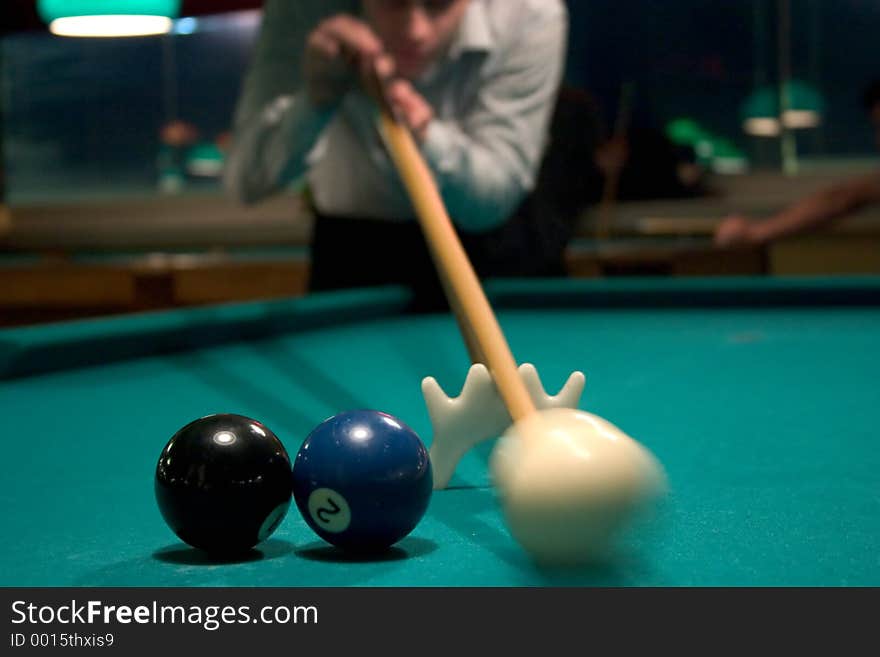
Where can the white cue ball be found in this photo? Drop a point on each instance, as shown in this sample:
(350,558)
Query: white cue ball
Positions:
(568,490)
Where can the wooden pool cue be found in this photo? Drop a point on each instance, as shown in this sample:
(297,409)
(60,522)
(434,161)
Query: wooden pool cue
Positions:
(471,343)
(460,280)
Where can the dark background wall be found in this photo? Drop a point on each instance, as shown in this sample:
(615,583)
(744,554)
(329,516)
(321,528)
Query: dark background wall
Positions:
(702,57)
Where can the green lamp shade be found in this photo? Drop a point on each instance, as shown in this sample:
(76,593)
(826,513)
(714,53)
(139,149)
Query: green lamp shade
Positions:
(761,104)
(805,106)
(718,153)
(205,159)
(761,111)
(51,10)
(685,131)
(109,18)
(804,97)
(725,151)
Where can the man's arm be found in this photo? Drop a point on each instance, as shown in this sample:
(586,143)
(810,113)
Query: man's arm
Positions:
(808,214)
(276,124)
(487,161)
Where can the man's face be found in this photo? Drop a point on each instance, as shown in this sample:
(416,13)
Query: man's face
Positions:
(415,33)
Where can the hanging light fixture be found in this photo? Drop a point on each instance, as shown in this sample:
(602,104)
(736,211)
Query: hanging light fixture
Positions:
(761,115)
(109,18)
(686,131)
(727,158)
(805,106)
(718,153)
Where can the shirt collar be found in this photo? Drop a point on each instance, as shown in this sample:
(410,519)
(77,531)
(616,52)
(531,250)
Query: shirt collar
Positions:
(474,33)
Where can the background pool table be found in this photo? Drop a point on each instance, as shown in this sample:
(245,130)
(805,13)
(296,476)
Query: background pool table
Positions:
(759,396)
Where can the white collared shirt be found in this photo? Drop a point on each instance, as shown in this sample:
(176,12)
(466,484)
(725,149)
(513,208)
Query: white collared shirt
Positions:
(492,95)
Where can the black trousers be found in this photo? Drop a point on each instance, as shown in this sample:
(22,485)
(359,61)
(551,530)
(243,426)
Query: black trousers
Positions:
(357,252)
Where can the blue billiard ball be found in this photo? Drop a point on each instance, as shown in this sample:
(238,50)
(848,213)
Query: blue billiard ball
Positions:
(362,480)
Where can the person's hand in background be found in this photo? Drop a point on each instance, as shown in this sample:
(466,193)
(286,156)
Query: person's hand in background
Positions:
(737,230)
(611,156)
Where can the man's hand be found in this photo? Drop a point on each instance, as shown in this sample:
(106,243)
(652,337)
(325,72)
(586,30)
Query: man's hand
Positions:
(340,50)
(736,230)
(411,108)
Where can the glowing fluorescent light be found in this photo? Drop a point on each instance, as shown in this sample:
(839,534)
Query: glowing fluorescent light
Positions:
(762,126)
(800,119)
(119,25)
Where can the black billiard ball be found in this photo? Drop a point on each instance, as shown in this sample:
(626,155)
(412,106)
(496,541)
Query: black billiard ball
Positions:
(223,483)
(362,480)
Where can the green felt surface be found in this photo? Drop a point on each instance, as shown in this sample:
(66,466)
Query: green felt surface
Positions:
(763,413)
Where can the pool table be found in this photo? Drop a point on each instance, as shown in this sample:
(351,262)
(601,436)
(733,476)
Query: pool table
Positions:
(760,396)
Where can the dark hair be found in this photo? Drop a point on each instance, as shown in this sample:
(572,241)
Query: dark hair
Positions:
(871,95)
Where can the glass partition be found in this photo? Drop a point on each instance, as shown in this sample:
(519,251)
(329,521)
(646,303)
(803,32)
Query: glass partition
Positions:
(89,118)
